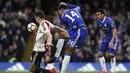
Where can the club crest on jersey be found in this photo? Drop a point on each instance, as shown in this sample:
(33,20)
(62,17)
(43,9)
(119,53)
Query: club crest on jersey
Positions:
(74,27)
(105,25)
(100,25)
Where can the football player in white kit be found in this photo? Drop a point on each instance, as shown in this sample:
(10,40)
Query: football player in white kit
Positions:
(43,41)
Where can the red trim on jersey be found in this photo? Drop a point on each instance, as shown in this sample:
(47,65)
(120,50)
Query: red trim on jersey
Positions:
(48,25)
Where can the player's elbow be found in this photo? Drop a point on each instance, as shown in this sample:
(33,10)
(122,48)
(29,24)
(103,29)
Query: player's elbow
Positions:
(67,35)
(49,35)
(115,31)
(64,35)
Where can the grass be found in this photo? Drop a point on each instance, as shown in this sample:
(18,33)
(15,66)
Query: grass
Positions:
(66,72)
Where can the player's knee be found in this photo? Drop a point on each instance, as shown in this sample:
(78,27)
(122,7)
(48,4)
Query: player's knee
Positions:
(111,55)
(100,54)
(32,68)
(69,51)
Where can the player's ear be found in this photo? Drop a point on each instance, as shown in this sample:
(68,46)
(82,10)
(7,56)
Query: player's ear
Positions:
(62,10)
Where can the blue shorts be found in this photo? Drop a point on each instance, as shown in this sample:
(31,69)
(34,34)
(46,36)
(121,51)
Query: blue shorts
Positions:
(104,47)
(77,37)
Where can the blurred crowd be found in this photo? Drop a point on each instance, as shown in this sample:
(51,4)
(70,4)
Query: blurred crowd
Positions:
(16,14)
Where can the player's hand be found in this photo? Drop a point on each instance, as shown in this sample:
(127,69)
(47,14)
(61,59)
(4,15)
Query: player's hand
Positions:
(48,45)
(100,41)
(62,3)
(110,44)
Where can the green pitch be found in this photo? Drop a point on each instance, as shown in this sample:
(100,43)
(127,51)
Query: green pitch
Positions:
(66,72)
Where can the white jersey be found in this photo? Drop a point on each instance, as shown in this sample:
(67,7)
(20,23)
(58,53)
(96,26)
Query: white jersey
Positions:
(40,37)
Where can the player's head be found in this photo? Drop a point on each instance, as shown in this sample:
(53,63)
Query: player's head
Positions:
(39,16)
(100,13)
(61,9)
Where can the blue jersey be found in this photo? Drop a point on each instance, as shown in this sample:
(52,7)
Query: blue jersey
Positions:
(106,26)
(77,32)
(73,18)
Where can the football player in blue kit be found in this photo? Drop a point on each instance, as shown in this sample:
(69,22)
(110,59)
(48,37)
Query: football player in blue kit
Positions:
(108,40)
(70,15)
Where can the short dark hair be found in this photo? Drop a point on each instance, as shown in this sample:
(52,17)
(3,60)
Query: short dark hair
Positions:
(62,7)
(40,14)
(101,11)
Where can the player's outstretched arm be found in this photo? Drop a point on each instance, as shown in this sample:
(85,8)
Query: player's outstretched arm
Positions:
(62,32)
(71,6)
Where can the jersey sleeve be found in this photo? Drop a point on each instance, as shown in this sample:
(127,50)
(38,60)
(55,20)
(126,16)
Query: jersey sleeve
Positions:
(111,24)
(75,7)
(45,28)
(63,20)
(50,24)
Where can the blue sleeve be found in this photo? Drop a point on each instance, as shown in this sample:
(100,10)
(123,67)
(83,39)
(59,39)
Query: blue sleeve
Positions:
(111,24)
(75,7)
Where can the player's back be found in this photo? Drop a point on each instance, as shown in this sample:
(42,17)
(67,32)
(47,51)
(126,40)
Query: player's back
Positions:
(73,18)
(40,37)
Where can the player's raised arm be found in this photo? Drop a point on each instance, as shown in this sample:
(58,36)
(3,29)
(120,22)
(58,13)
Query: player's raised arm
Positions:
(71,6)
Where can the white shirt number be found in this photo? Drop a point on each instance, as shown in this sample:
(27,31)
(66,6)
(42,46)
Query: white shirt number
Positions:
(73,14)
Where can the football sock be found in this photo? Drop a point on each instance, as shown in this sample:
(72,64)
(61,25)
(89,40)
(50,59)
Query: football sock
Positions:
(65,63)
(59,47)
(113,64)
(103,63)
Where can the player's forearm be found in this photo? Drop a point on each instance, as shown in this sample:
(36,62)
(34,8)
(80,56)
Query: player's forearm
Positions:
(101,35)
(49,37)
(114,33)
(62,32)
(64,35)
(59,29)
(72,6)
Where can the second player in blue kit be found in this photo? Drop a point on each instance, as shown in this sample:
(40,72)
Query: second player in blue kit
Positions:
(108,39)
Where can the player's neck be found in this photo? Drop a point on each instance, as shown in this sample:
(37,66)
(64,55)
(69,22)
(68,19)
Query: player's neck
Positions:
(40,21)
(64,12)
(103,18)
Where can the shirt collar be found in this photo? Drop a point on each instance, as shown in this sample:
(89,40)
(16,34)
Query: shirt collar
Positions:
(41,22)
(104,19)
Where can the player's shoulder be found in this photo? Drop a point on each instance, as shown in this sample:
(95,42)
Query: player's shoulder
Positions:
(47,22)
(99,22)
(109,20)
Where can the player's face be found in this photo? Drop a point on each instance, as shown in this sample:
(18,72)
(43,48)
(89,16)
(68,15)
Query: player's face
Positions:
(37,19)
(99,15)
(60,12)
